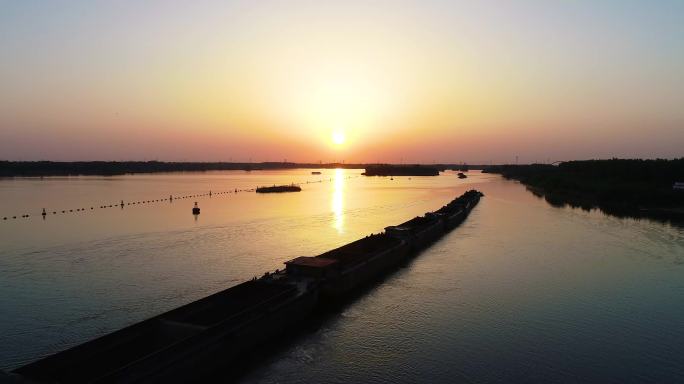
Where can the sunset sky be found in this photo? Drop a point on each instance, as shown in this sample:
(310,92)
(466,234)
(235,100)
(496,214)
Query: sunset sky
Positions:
(360,81)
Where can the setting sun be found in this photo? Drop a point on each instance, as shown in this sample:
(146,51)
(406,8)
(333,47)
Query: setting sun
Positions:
(338,138)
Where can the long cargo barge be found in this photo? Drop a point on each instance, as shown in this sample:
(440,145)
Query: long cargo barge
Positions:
(210,334)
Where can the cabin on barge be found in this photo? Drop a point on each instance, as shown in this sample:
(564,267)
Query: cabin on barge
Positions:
(343,269)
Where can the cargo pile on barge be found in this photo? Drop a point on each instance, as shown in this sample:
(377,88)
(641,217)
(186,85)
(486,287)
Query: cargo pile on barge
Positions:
(210,335)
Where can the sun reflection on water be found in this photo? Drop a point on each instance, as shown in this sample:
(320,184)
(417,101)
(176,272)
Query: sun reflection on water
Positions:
(338,200)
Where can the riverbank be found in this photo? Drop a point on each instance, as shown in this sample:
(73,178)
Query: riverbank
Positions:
(623,188)
(402,170)
(113,168)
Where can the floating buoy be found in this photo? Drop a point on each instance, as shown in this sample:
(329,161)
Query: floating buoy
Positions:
(195,209)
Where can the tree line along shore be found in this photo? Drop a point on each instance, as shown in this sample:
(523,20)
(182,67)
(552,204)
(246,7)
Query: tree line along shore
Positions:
(113,168)
(622,187)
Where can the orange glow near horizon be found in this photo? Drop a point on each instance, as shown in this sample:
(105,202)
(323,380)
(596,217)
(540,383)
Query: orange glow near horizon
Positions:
(329,81)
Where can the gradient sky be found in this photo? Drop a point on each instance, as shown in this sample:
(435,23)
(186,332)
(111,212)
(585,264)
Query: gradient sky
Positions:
(412,81)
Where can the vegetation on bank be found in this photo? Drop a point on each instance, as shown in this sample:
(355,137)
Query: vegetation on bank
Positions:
(618,186)
(401,170)
(112,168)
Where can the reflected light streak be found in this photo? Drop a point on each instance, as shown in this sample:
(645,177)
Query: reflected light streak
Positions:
(338,200)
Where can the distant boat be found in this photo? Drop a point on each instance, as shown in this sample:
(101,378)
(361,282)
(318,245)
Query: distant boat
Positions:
(279,188)
(315,173)
(461,175)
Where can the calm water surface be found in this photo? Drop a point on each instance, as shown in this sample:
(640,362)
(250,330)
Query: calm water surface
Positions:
(521,292)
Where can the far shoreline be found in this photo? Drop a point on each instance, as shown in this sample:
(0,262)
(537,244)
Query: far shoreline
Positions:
(621,188)
(10,169)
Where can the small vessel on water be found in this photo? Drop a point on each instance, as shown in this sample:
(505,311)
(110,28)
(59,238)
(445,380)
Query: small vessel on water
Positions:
(279,188)
(315,173)
(195,209)
(461,175)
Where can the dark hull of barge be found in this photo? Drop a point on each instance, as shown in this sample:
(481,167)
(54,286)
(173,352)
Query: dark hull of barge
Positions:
(187,344)
(208,337)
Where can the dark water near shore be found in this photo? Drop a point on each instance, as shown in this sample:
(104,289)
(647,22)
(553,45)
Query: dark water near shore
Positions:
(521,292)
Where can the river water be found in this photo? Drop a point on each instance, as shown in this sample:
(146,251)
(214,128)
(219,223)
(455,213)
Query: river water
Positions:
(520,292)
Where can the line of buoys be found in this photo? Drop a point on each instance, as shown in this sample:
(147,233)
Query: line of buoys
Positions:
(171,198)
(122,204)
